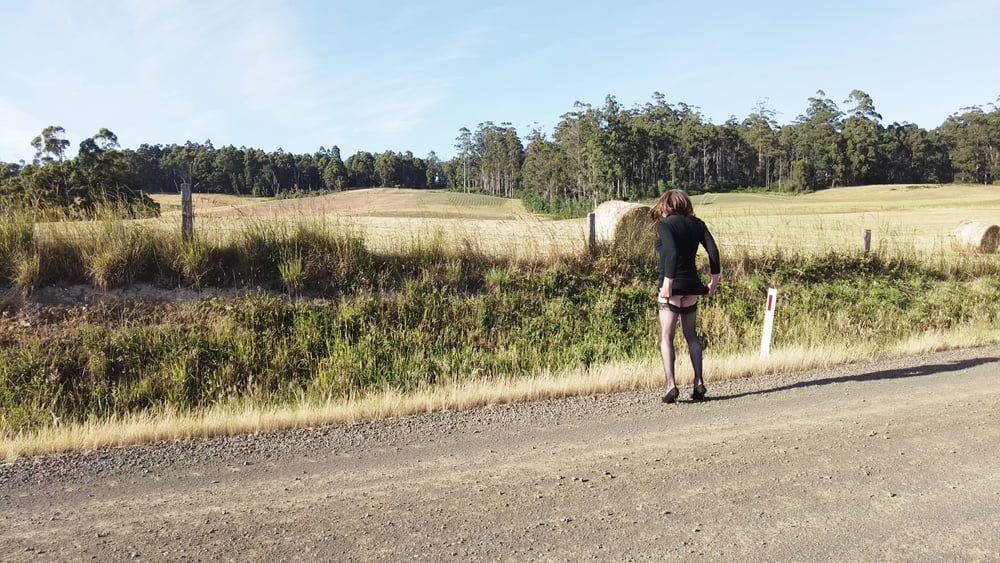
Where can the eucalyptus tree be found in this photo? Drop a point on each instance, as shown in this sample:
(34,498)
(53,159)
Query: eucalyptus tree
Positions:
(335,175)
(102,167)
(816,151)
(545,173)
(435,175)
(862,132)
(761,132)
(464,147)
(361,169)
(389,169)
(577,133)
(654,131)
(50,145)
(592,153)
(498,154)
(227,171)
(973,139)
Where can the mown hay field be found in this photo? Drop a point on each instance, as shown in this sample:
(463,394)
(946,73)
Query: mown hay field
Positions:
(902,218)
(390,219)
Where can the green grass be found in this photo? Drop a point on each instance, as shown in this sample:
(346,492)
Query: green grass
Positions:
(429,316)
(329,317)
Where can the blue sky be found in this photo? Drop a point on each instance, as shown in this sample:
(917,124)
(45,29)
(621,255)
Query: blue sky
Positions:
(407,75)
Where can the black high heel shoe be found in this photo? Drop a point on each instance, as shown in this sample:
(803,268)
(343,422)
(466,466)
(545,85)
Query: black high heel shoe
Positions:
(699,393)
(671,396)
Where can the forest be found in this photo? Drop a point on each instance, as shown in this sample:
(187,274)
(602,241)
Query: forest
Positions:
(593,153)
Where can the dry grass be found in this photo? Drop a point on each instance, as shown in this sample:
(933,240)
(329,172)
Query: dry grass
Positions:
(151,428)
(901,218)
(170,204)
(389,219)
(910,221)
(372,202)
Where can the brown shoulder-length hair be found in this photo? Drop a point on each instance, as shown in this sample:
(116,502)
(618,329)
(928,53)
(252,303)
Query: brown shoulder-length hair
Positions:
(672,202)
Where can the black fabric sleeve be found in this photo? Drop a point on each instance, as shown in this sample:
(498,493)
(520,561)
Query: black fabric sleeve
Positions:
(668,251)
(713,252)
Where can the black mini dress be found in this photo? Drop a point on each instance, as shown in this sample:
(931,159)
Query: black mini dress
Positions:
(678,238)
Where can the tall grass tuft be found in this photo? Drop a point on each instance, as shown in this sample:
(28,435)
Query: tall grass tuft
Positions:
(193,262)
(499,278)
(632,253)
(17,233)
(61,257)
(27,272)
(292,269)
(119,254)
(333,257)
(257,251)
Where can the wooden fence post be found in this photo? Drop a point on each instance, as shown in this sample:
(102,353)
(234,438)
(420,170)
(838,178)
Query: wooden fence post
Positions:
(592,233)
(866,241)
(187,212)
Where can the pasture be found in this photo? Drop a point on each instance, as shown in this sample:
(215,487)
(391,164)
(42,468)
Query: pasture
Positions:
(390,218)
(902,218)
(908,219)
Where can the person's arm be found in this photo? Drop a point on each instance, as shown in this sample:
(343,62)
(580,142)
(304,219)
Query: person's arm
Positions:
(714,261)
(668,258)
(667,288)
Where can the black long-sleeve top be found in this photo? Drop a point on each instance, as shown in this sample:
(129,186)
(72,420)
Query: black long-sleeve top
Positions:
(678,238)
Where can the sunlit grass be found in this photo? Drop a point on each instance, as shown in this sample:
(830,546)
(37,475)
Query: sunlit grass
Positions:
(901,218)
(453,313)
(238,418)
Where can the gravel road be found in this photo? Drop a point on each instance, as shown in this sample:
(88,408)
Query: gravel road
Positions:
(890,460)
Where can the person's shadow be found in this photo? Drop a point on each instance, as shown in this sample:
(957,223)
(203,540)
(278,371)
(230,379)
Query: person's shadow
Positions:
(915,371)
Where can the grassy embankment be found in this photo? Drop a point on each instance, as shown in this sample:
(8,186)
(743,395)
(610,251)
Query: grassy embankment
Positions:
(340,332)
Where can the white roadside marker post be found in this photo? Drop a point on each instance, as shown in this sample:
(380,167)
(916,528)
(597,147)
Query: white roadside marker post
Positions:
(765,341)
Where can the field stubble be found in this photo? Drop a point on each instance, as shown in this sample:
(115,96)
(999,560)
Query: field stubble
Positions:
(903,219)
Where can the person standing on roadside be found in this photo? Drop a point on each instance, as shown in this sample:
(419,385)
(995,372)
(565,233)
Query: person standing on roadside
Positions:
(679,234)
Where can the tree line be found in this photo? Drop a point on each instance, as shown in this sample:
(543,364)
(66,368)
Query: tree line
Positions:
(624,153)
(102,171)
(592,154)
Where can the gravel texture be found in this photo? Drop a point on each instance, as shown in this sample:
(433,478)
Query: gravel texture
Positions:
(894,459)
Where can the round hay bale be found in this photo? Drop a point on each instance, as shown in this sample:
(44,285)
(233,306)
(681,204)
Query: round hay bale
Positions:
(976,236)
(614,218)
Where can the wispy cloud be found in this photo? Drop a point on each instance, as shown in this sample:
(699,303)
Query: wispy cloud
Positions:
(254,56)
(225,56)
(233,71)
(17,128)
